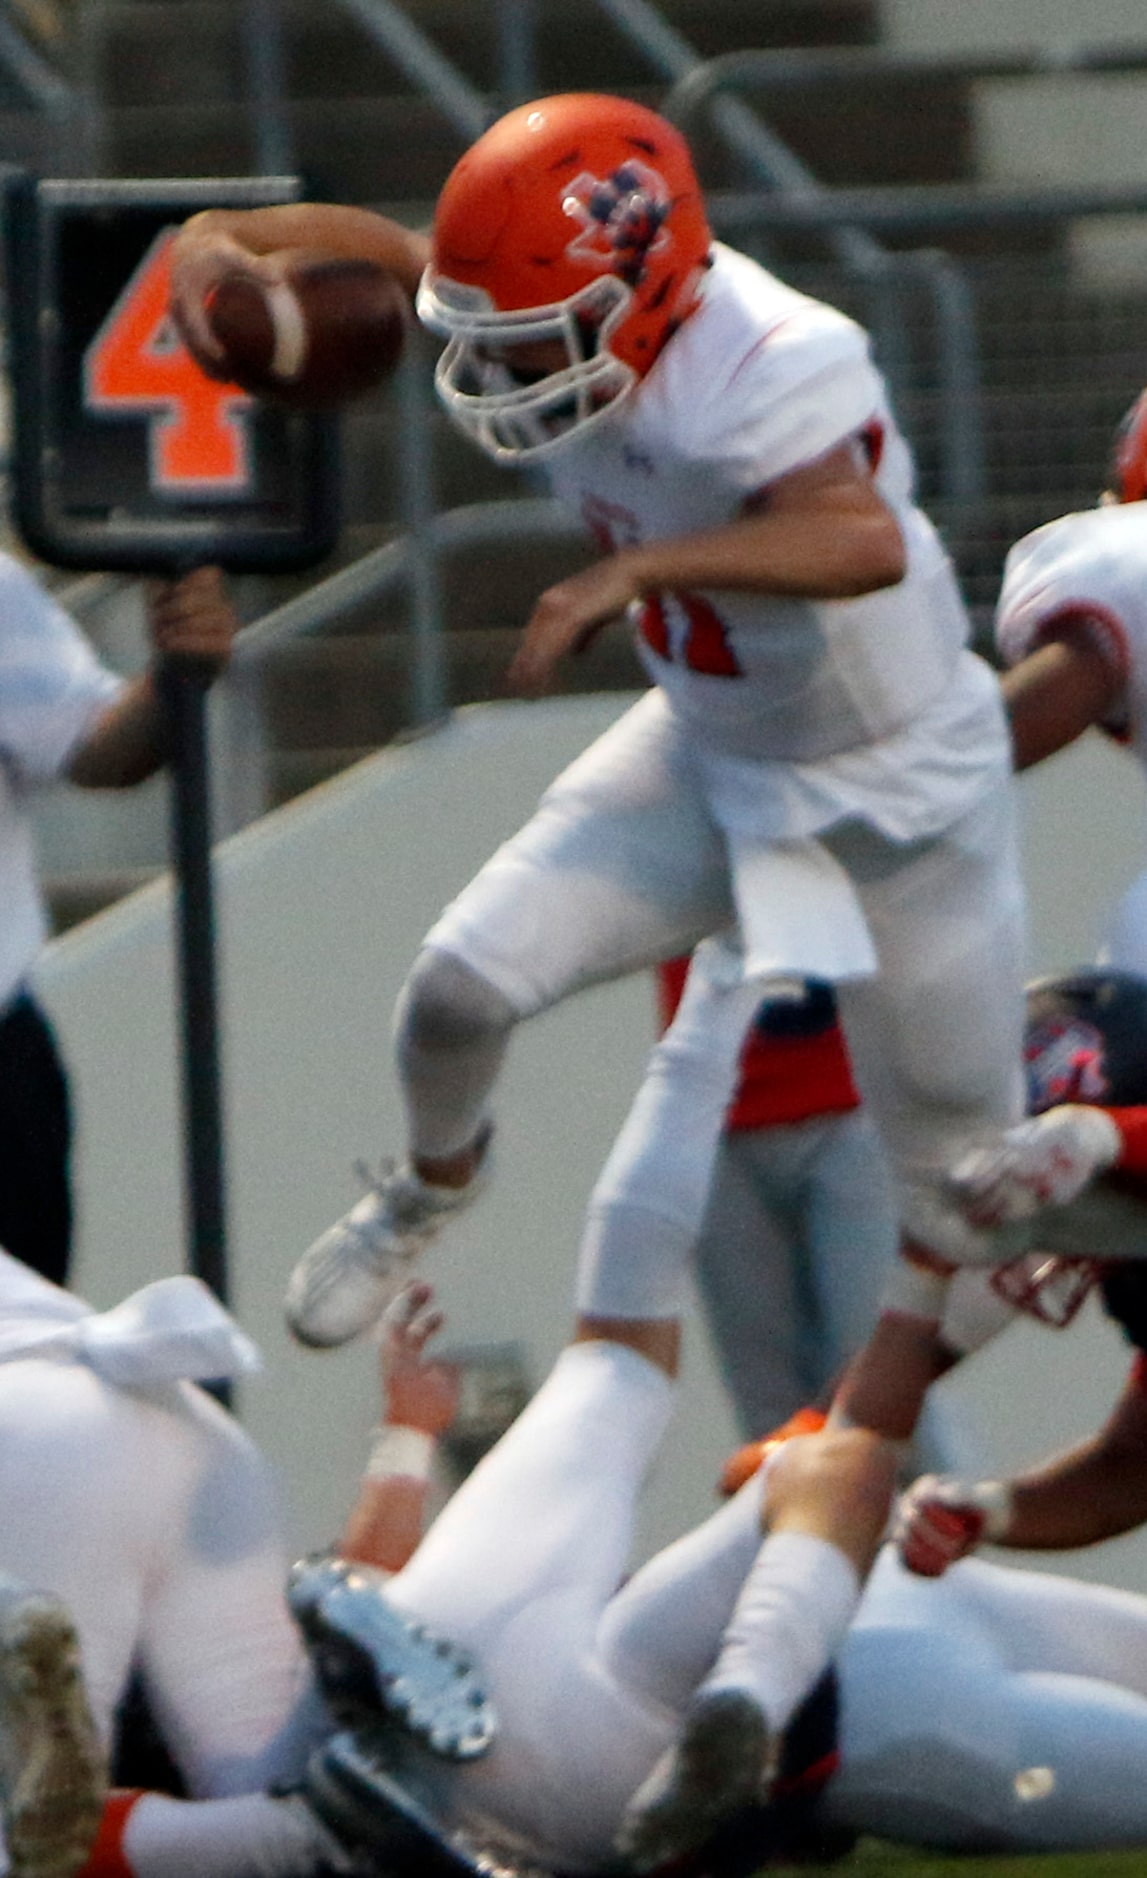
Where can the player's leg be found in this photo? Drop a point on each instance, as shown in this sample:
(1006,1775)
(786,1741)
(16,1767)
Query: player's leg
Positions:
(564,1482)
(946,1742)
(1061,1626)
(619,867)
(797,912)
(849,1238)
(249,1835)
(748,1274)
(648,1204)
(223,1664)
(937,1044)
(827,1504)
(75,1520)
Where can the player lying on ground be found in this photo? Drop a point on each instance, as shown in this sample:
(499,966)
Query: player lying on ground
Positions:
(819,779)
(524,1562)
(132,1496)
(1010,1712)
(948,1728)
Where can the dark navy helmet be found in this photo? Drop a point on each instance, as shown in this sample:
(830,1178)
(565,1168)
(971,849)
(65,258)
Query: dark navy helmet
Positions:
(1086,1039)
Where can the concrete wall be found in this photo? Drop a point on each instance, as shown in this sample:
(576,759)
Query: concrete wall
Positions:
(1049,131)
(992,25)
(322,906)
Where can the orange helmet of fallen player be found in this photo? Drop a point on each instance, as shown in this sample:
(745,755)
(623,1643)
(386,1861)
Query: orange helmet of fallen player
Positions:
(577,219)
(1128,474)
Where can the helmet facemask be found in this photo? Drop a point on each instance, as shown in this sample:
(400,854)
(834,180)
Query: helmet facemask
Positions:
(513,415)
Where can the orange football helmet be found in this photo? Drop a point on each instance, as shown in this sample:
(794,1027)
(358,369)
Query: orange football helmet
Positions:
(576,219)
(1128,475)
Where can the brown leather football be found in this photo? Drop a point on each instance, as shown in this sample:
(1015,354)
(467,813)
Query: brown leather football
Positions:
(329,332)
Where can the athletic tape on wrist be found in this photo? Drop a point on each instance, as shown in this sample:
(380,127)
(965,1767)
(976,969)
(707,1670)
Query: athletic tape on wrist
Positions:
(408,1452)
(993,1498)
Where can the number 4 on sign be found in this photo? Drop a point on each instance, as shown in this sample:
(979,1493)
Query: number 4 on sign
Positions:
(197,433)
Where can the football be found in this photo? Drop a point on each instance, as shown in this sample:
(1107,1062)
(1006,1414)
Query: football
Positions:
(330,331)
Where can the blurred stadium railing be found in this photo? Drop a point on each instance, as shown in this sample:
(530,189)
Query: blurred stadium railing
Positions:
(1012,323)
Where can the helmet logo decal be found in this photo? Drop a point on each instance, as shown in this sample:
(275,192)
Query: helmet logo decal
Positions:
(622,219)
(1064,1059)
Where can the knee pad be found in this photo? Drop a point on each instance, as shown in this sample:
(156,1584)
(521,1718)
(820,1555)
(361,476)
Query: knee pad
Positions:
(445,1006)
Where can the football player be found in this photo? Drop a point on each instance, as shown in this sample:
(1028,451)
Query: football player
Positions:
(684,1683)
(998,1710)
(1078,1172)
(819,778)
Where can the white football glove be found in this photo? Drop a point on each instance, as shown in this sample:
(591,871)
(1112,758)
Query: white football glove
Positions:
(940,1520)
(1045,1161)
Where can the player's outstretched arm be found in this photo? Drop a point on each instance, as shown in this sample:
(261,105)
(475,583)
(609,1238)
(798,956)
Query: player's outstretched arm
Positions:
(1093,1491)
(419,1399)
(191,618)
(823,532)
(258,243)
(940,1520)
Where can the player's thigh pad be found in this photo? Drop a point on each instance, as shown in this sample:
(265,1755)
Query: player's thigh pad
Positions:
(937,1036)
(620,866)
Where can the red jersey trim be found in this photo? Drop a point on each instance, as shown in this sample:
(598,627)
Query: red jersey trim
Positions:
(1105,628)
(1132,1126)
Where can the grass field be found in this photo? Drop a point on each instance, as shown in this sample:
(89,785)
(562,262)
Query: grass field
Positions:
(873,1859)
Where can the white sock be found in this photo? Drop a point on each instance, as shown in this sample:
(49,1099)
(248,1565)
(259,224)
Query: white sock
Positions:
(253,1835)
(791,1617)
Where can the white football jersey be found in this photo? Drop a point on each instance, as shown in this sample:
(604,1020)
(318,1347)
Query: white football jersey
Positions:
(1091,565)
(759,380)
(52,690)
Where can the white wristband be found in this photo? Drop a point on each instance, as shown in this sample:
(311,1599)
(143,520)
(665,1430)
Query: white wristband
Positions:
(993,1498)
(407,1452)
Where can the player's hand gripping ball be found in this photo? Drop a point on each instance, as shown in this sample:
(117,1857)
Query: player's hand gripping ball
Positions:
(328,332)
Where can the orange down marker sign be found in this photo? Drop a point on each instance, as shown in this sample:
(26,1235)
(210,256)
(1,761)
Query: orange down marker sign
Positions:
(198,442)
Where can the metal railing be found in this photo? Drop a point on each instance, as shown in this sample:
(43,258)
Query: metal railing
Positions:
(852,224)
(855,225)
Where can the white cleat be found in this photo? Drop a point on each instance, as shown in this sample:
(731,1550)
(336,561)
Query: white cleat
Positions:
(370,1660)
(346,1280)
(715,1770)
(53,1771)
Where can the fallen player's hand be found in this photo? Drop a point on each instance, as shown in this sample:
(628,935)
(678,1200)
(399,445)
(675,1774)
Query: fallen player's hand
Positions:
(1045,1161)
(416,1393)
(941,1520)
